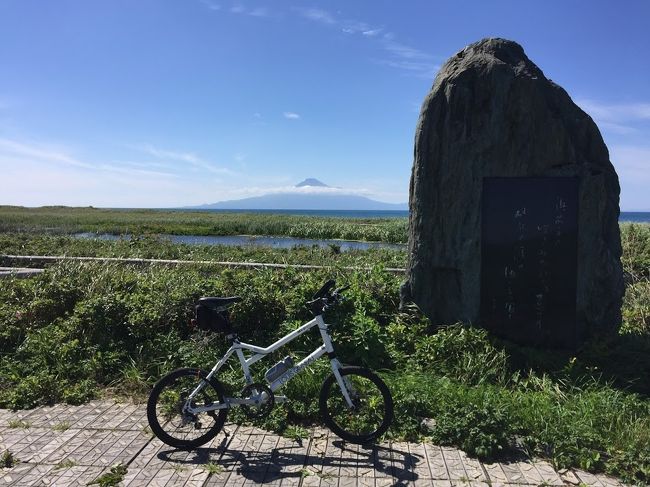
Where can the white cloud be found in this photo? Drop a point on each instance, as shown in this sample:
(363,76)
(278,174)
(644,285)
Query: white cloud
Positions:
(403,51)
(261,190)
(405,58)
(371,32)
(420,69)
(184,157)
(318,15)
(36,174)
(11,148)
(618,118)
(259,12)
(211,5)
(632,163)
(14,153)
(408,59)
(31,183)
(356,27)
(619,112)
(291,115)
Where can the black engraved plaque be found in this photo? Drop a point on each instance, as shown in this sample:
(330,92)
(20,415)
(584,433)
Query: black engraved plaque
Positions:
(529,259)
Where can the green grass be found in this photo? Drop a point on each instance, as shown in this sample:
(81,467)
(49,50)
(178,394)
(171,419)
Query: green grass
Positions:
(139,222)
(8,459)
(212,468)
(65,464)
(80,328)
(296,433)
(62,426)
(112,478)
(18,423)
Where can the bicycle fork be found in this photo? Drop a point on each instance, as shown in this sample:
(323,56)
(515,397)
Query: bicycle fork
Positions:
(346,387)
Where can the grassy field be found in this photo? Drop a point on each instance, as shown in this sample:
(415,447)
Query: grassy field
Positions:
(86,329)
(142,222)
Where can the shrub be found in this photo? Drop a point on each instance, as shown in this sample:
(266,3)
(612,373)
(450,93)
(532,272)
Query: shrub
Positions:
(462,353)
(479,429)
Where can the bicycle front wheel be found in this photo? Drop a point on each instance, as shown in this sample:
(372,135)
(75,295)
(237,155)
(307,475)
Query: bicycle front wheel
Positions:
(167,408)
(372,405)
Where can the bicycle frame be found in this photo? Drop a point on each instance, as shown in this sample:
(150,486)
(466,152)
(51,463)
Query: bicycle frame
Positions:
(259,353)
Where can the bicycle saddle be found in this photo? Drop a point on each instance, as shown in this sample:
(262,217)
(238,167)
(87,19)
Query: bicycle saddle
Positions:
(219,302)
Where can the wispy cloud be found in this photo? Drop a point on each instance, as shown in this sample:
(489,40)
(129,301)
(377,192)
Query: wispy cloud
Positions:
(399,56)
(14,152)
(407,58)
(259,12)
(403,51)
(184,157)
(13,149)
(417,68)
(617,117)
(356,27)
(239,9)
(39,174)
(211,5)
(317,15)
(632,163)
(371,32)
(261,190)
(291,115)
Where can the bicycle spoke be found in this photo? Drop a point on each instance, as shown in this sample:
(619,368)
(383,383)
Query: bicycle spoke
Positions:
(170,417)
(371,412)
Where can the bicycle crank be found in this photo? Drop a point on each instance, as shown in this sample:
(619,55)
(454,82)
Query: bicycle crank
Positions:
(262,397)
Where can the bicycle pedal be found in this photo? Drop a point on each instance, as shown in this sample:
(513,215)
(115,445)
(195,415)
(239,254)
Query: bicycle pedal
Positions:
(279,399)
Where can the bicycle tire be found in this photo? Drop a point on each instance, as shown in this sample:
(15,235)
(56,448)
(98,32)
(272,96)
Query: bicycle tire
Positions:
(375,418)
(164,408)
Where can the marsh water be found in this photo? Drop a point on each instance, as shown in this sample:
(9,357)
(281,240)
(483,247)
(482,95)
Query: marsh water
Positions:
(256,241)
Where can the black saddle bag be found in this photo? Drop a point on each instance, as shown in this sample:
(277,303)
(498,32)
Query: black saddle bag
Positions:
(209,319)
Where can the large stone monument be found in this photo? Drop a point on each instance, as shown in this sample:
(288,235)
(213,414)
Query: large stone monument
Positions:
(513,204)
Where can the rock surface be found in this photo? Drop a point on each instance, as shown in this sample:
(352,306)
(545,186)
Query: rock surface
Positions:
(492,113)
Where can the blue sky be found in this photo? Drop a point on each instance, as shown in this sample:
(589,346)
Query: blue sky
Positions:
(168,103)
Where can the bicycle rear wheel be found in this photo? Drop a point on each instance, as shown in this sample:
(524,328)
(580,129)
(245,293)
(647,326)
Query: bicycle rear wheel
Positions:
(167,414)
(372,410)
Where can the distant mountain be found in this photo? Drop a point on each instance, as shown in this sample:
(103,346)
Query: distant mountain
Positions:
(312,182)
(321,198)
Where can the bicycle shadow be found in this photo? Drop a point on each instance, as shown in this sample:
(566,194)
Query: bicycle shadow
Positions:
(338,459)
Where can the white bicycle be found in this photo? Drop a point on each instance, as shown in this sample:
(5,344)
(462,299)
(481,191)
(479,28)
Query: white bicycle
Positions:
(188,407)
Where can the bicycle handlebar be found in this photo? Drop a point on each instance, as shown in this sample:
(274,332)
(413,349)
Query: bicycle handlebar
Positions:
(324,289)
(324,298)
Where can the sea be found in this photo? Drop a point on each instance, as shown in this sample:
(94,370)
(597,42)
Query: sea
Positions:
(625,216)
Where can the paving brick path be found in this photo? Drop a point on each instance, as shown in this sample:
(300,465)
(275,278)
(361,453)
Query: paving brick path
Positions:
(73,445)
